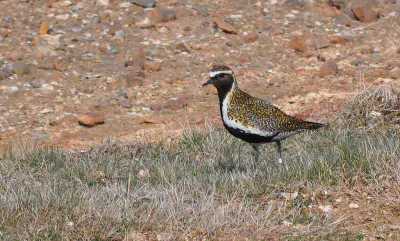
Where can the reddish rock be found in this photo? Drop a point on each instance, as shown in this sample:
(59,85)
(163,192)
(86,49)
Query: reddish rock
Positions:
(91,119)
(177,103)
(152,66)
(298,45)
(328,68)
(363,10)
(31,122)
(226,27)
(114,29)
(251,37)
(158,15)
(337,40)
(60,65)
(44,28)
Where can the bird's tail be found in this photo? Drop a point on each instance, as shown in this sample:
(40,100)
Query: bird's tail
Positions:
(308,125)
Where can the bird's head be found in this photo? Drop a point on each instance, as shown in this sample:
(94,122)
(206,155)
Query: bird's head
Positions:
(221,77)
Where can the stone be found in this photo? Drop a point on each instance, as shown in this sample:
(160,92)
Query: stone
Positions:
(298,45)
(275,81)
(157,106)
(20,68)
(395,73)
(183,48)
(176,103)
(321,42)
(144,3)
(236,41)
(152,66)
(103,2)
(114,29)
(226,27)
(251,37)
(336,39)
(44,28)
(129,20)
(124,102)
(343,19)
(363,10)
(162,15)
(16,56)
(3,75)
(91,119)
(67,119)
(328,67)
(60,65)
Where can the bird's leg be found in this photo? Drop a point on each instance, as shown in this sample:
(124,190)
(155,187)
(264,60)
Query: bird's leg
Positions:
(255,147)
(279,151)
(280,154)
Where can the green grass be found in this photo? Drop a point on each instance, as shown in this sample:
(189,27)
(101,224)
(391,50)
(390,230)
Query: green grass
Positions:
(201,186)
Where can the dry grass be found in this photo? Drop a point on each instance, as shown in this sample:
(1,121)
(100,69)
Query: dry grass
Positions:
(204,186)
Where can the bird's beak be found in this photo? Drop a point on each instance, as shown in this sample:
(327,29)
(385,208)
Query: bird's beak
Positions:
(207,82)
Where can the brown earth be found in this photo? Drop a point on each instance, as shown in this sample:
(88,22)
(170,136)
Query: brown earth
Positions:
(142,68)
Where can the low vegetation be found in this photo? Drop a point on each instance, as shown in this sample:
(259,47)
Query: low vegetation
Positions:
(341,183)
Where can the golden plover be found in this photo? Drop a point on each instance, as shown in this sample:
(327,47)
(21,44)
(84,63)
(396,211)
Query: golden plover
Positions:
(252,119)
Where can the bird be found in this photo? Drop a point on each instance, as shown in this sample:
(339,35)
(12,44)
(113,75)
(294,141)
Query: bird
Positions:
(252,119)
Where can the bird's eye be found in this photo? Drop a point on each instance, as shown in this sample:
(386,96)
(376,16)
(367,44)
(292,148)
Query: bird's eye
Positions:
(220,76)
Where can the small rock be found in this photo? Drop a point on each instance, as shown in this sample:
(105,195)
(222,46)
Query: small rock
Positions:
(152,66)
(103,2)
(91,119)
(114,29)
(67,119)
(144,3)
(183,48)
(363,11)
(124,102)
(20,68)
(176,103)
(251,37)
(395,73)
(324,56)
(336,39)
(298,45)
(46,111)
(321,42)
(31,122)
(161,15)
(3,75)
(237,41)
(343,19)
(329,67)
(120,94)
(354,205)
(60,65)
(129,20)
(226,27)
(157,106)
(275,81)
(16,56)
(44,28)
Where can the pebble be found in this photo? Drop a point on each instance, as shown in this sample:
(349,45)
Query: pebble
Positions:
(395,73)
(226,27)
(44,28)
(321,42)
(16,56)
(157,106)
(328,67)
(103,2)
(144,3)
(152,66)
(3,75)
(91,119)
(114,29)
(182,48)
(275,81)
(162,15)
(176,103)
(124,102)
(236,41)
(298,45)
(251,37)
(363,11)
(343,19)
(47,111)
(20,68)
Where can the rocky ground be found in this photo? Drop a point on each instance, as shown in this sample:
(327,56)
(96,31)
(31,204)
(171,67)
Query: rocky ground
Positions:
(75,72)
